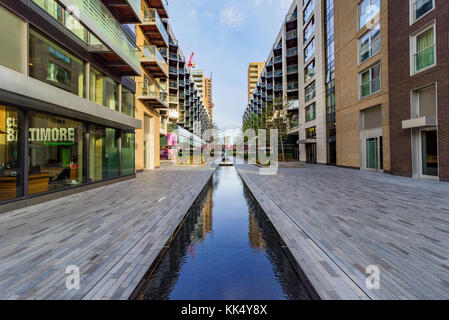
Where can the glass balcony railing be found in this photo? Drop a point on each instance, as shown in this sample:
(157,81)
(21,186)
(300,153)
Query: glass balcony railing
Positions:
(181,83)
(370,88)
(292,69)
(292,104)
(101,24)
(181,71)
(173,70)
(278,59)
(278,73)
(173,85)
(291,17)
(152,53)
(269,86)
(278,87)
(292,34)
(151,90)
(173,99)
(277,46)
(151,16)
(292,86)
(292,52)
(173,56)
(270,75)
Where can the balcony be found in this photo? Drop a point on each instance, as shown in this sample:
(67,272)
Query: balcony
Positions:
(270,98)
(181,95)
(173,70)
(173,42)
(292,52)
(181,71)
(159,6)
(269,75)
(173,99)
(173,56)
(116,46)
(292,86)
(291,17)
(151,94)
(278,73)
(154,62)
(293,105)
(173,85)
(126,11)
(269,86)
(278,60)
(277,46)
(292,35)
(181,83)
(278,87)
(153,27)
(292,69)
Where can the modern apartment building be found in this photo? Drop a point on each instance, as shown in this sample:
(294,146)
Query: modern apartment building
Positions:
(254,71)
(152,101)
(361,84)
(208,101)
(66,96)
(296,73)
(419,88)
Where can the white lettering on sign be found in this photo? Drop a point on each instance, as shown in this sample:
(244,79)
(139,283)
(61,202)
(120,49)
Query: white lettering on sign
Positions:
(41,134)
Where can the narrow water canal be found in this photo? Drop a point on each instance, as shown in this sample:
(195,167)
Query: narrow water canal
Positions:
(225,250)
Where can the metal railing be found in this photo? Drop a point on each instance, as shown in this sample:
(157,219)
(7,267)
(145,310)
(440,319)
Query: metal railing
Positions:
(292,104)
(292,86)
(292,52)
(278,59)
(151,90)
(292,34)
(151,16)
(292,69)
(278,87)
(370,87)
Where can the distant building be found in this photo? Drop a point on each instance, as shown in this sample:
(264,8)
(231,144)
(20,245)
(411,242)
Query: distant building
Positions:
(254,71)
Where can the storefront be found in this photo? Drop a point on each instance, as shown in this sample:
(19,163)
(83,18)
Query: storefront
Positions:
(57,153)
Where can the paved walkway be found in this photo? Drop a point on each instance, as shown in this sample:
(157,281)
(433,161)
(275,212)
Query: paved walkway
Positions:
(113,234)
(339,221)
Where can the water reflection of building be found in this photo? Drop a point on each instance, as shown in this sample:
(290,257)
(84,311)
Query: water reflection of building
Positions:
(255,235)
(194,229)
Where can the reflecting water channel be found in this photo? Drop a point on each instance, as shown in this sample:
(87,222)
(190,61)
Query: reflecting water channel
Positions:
(226,249)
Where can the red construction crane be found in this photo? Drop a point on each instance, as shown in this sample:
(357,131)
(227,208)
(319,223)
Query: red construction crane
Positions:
(191,64)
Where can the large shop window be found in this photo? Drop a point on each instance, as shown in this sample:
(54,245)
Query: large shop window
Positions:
(128,102)
(104,155)
(11,155)
(52,64)
(55,153)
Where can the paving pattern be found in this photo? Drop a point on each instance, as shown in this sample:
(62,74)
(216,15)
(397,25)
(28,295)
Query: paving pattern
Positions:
(112,234)
(338,221)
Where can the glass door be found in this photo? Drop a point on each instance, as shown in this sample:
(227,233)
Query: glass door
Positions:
(429,149)
(372,153)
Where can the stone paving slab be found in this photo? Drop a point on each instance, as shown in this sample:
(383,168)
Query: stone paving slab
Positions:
(338,221)
(113,234)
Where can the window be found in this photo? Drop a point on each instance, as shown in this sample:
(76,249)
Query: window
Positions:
(424,102)
(308,11)
(309,71)
(368,9)
(424,50)
(310,92)
(55,153)
(311,133)
(15,40)
(11,153)
(370,44)
(311,112)
(128,147)
(103,90)
(370,81)
(419,8)
(309,30)
(309,50)
(51,64)
(128,101)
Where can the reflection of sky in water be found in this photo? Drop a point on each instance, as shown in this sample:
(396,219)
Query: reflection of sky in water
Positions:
(225,250)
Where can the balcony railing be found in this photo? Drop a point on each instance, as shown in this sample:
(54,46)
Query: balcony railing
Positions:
(292,69)
(278,87)
(370,88)
(151,91)
(151,15)
(277,46)
(292,86)
(293,104)
(152,53)
(181,71)
(173,99)
(173,85)
(278,59)
(292,34)
(278,73)
(181,83)
(292,52)
(173,70)
(270,75)
(181,95)
(369,50)
(97,18)
(173,56)
(291,16)
(269,86)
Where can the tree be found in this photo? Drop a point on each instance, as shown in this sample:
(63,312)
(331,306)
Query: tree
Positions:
(278,118)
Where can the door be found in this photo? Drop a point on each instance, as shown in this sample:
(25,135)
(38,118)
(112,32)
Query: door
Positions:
(311,152)
(372,153)
(429,153)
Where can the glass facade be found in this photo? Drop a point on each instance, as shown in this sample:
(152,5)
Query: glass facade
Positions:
(55,153)
(51,64)
(11,153)
(330,83)
(103,90)
(128,102)
(62,153)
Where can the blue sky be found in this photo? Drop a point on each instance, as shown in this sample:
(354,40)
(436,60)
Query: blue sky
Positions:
(226,35)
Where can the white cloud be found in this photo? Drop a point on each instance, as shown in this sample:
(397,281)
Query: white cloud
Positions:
(232,17)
